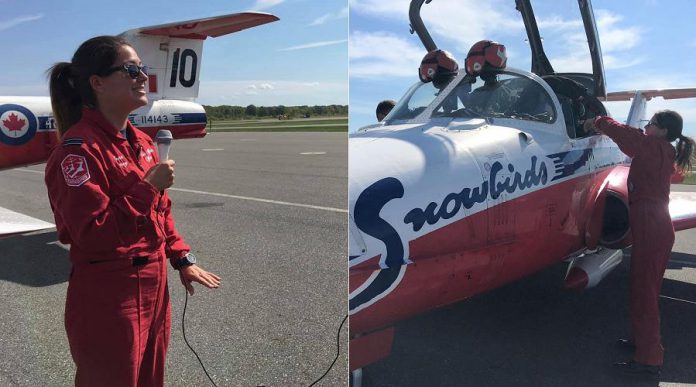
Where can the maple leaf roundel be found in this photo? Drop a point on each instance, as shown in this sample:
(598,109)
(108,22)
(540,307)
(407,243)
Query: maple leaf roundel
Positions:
(17,124)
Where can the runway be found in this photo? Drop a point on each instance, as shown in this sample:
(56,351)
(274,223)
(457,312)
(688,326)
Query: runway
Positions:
(270,220)
(535,333)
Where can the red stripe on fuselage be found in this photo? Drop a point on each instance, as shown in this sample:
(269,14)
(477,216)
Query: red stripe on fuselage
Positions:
(485,251)
(33,152)
(178,131)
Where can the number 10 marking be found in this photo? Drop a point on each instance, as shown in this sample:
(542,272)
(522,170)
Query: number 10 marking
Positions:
(179,66)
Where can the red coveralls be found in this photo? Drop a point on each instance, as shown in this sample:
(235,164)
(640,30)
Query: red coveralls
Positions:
(651,228)
(117,313)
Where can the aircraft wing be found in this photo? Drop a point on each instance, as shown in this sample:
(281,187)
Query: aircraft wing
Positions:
(209,27)
(641,97)
(682,209)
(12,223)
(648,94)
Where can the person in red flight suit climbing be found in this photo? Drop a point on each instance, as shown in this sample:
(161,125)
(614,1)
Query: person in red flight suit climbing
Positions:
(652,166)
(107,191)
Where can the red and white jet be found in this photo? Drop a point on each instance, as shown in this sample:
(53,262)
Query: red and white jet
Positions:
(458,192)
(173,53)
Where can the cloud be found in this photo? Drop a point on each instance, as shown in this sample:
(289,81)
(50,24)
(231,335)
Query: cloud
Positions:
(264,4)
(289,93)
(314,45)
(401,59)
(253,89)
(343,13)
(19,20)
(568,41)
(558,23)
(614,38)
(466,21)
(655,79)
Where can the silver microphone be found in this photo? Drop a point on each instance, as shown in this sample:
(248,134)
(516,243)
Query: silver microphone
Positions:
(164,141)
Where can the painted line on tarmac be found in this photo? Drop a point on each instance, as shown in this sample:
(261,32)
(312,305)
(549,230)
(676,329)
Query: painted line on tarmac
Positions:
(677,299)
(212,149)
(312,153)
(686,263)
(222,195)
(29,170)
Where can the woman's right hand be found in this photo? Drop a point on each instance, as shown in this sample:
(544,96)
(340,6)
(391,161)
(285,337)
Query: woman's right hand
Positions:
(161,176)
(588,126)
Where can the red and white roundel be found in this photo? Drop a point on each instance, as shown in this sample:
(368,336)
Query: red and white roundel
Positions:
(75,170)
(14,124)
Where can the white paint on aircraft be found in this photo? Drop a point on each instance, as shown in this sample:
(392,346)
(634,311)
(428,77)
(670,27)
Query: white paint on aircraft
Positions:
(12,222)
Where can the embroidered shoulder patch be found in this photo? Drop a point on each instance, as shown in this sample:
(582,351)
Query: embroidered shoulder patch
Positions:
(75,170)
(72,141)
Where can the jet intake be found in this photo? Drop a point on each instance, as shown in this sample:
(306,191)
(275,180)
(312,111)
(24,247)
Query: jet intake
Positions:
(615,225)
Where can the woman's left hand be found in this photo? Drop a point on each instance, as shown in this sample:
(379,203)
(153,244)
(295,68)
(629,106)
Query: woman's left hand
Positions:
(193,273)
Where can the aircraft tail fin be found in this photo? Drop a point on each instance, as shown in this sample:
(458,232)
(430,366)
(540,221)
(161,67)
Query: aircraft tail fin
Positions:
(640,98)
(174,51)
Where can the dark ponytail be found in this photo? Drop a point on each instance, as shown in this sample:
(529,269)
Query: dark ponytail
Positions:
(65,99)
(672,121)
(69,82)
(685,154)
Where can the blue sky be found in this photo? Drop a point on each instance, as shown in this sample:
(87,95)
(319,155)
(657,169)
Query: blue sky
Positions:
(300,60)
(646,44)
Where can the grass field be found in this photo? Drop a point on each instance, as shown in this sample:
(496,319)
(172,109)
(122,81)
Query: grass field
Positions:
(690,179)
(338,124)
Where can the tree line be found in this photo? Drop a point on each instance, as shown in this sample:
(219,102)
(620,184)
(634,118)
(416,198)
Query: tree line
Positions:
(227,112)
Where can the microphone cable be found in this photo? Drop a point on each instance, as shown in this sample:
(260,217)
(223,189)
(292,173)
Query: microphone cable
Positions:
(183,331)
(338,351)
(183,314)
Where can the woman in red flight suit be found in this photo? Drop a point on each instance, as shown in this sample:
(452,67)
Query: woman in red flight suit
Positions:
(106,190)
(652,166)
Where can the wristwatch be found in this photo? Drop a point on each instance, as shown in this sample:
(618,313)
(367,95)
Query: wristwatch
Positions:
(187,260)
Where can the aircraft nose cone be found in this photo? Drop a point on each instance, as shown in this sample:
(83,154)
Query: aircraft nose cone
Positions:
(576,279)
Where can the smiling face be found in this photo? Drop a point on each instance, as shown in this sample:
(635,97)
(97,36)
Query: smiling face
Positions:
(118,91)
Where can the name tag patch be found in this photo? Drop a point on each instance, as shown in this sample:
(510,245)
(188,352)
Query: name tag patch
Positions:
(121,161)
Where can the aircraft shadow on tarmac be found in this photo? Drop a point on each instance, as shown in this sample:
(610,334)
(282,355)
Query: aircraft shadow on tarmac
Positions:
(534,333)
(34,260)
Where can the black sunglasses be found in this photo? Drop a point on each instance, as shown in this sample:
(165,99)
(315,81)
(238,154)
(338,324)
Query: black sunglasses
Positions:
(133,70)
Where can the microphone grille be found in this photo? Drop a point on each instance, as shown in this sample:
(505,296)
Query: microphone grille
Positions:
(163,135)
